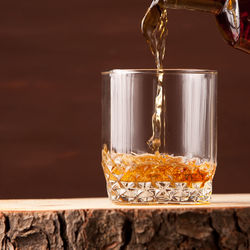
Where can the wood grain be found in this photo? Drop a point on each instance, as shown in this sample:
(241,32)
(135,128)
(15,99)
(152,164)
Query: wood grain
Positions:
(96,223)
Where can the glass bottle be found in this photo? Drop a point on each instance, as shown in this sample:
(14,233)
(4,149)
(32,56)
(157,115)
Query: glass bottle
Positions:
(232,16)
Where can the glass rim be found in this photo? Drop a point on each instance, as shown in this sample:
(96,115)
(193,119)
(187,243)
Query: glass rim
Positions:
(154,71)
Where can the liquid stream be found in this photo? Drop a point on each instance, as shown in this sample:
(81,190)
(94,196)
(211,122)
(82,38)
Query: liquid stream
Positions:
(154,29)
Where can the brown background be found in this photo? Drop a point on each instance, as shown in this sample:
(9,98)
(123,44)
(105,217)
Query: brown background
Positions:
(52,53)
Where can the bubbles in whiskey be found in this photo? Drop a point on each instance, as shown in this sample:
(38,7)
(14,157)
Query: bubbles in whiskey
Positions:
(145,168)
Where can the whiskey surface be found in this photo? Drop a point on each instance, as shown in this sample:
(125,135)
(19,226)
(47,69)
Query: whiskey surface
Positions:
(156,168)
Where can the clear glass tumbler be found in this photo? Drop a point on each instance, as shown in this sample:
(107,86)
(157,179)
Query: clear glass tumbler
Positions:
(181,169)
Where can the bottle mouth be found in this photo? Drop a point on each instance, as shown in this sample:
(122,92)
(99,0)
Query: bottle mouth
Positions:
(155,71)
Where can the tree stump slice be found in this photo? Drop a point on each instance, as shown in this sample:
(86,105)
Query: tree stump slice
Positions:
(96,223)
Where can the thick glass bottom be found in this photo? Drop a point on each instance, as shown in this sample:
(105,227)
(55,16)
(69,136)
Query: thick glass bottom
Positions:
(159,192)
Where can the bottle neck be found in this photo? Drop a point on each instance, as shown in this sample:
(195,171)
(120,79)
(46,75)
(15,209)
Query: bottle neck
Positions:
(212,6)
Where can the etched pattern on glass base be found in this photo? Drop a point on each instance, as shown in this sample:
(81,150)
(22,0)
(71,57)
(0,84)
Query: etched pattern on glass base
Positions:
(160,192)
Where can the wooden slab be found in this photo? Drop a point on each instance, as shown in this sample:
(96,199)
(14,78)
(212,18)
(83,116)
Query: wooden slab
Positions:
(218,201)
(96,223)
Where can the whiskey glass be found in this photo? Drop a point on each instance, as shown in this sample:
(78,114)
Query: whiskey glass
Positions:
(181,170)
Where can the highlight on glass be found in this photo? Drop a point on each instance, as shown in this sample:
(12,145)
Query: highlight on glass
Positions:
(159,139)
